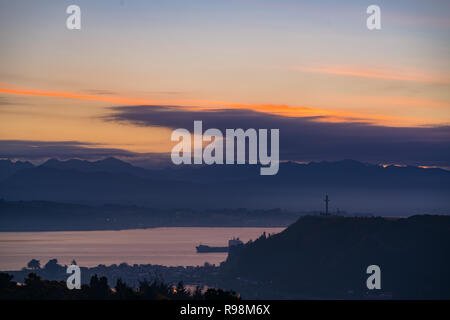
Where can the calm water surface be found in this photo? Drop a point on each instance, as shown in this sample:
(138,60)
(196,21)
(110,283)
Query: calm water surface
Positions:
(164,246)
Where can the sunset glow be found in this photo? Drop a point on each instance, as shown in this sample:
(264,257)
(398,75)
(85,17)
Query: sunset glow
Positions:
(264,62)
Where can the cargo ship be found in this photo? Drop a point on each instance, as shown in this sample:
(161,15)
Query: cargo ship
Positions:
(231,243)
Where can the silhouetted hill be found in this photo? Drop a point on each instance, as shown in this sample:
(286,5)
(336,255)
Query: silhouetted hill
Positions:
(328,256)
(352,186)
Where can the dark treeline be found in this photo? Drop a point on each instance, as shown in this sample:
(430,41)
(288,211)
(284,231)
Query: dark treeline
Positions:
(35,288)
(130,274)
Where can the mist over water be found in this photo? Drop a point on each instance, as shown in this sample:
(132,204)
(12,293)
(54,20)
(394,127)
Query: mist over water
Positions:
(163,246)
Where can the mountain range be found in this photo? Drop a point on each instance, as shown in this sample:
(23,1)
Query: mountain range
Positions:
(352,186)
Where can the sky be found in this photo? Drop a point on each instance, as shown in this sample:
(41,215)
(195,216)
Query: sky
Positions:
(139,69)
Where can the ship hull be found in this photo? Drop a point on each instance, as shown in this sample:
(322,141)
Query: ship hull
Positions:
(206,249)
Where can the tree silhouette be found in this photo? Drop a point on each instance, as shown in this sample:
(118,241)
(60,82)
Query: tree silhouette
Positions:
(7,286)
(98,288)
(124,292)
(34,264)
(180,292)
(52,265)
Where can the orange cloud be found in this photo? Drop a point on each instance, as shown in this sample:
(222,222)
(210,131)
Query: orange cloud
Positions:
(325,115)
(320,114)
(112,99)
(374,73)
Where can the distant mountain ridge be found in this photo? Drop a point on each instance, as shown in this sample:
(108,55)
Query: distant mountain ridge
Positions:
(352,185)
(8,167)
(192,173)
(110,164)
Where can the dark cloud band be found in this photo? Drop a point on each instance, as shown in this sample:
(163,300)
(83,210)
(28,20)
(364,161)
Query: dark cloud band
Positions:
(306,139)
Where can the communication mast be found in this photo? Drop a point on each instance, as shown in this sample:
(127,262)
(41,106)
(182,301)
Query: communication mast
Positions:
(326,205)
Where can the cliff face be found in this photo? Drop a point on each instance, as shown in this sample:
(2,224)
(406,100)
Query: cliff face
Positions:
(328,257)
